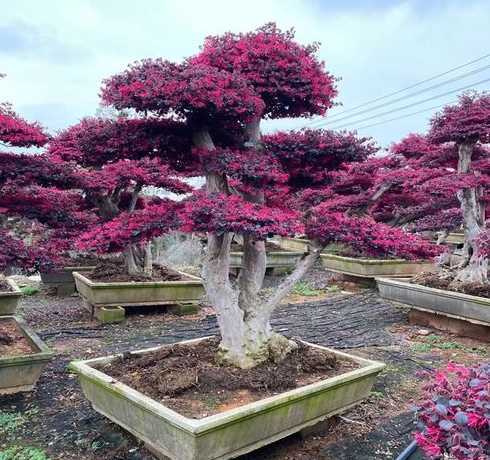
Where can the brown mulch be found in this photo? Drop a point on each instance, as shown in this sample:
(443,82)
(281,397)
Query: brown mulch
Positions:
(12,341)
(115,271)
(445,282)
(188,379)
(5,286)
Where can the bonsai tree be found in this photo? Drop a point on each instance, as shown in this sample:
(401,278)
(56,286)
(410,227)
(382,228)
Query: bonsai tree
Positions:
(221,95)
(466,125)
(111,161)
(30,201)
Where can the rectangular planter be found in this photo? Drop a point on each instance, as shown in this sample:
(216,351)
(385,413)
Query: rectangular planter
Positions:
(10,300)
(20,373)
(292,244)
(63,279)
(231,433)
(275,259)
(135,294)
(453,304)
(370,268)
(455,238)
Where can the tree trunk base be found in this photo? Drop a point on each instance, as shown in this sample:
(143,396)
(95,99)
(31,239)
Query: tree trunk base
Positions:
(275,349)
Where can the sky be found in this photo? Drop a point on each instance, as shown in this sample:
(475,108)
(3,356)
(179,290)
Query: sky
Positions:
(56,53)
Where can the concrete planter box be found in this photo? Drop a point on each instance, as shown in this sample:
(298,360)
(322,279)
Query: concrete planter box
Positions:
(370,268)
(455,238)
(293,244)
(20,373)
(275,259)
(452,304)
(231,433)
(63,279)
(10,300)
(136,294)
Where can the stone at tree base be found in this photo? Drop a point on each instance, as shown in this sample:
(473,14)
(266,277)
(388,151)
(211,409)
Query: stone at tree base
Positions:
(448,324)
(110,314)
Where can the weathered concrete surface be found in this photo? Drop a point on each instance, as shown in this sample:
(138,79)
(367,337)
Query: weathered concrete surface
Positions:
(133,294)
(20,373)
(454,304)
(62,280)
(371,268)
(231,433)
(448,324)
(10,300)
(275,259)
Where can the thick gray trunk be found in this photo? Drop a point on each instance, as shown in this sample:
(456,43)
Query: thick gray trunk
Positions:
(246,334)
(476,269)
(139,260)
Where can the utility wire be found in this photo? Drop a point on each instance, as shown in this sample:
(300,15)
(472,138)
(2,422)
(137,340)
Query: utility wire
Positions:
(413,104)
(406,88)
(407,115)
(430,88)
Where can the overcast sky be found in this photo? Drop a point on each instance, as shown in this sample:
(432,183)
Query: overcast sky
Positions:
(55,53)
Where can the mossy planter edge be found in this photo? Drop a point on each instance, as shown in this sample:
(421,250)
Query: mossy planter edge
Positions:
(292,244)
(275,259)
(142,293)
(231,433)
(457,305)
(20,373)
(371,268)
(9,301)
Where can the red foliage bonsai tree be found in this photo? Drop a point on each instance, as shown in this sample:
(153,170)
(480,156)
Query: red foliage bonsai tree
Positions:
(28,192)
(220,96)
(466,126)
(111,161)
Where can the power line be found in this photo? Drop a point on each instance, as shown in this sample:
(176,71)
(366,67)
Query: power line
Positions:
(413,104)
(425,90)
(408,87)
(407,115)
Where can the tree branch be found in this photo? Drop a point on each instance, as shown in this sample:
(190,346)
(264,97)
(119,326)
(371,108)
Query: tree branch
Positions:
(288,284)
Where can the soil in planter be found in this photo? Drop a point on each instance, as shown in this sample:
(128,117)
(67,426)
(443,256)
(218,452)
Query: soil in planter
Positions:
(5,286)
(12,341)
(115,271)
(436,281)
(187,378)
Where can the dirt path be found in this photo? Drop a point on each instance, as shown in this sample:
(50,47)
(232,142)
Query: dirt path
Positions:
(57,419)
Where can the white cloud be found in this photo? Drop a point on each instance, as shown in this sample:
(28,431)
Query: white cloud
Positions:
(375,49)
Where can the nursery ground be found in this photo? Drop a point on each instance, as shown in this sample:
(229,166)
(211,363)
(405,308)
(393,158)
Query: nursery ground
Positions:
(57,419)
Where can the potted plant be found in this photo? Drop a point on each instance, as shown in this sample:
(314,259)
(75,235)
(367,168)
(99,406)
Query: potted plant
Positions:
(457,299)
(361,247)
(115,160)
(23,356)
(248,184)
(453,416)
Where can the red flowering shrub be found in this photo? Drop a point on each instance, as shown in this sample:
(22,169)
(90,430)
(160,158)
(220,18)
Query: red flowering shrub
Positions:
(454,416)
(220,214)
(13,252)
(285,74)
